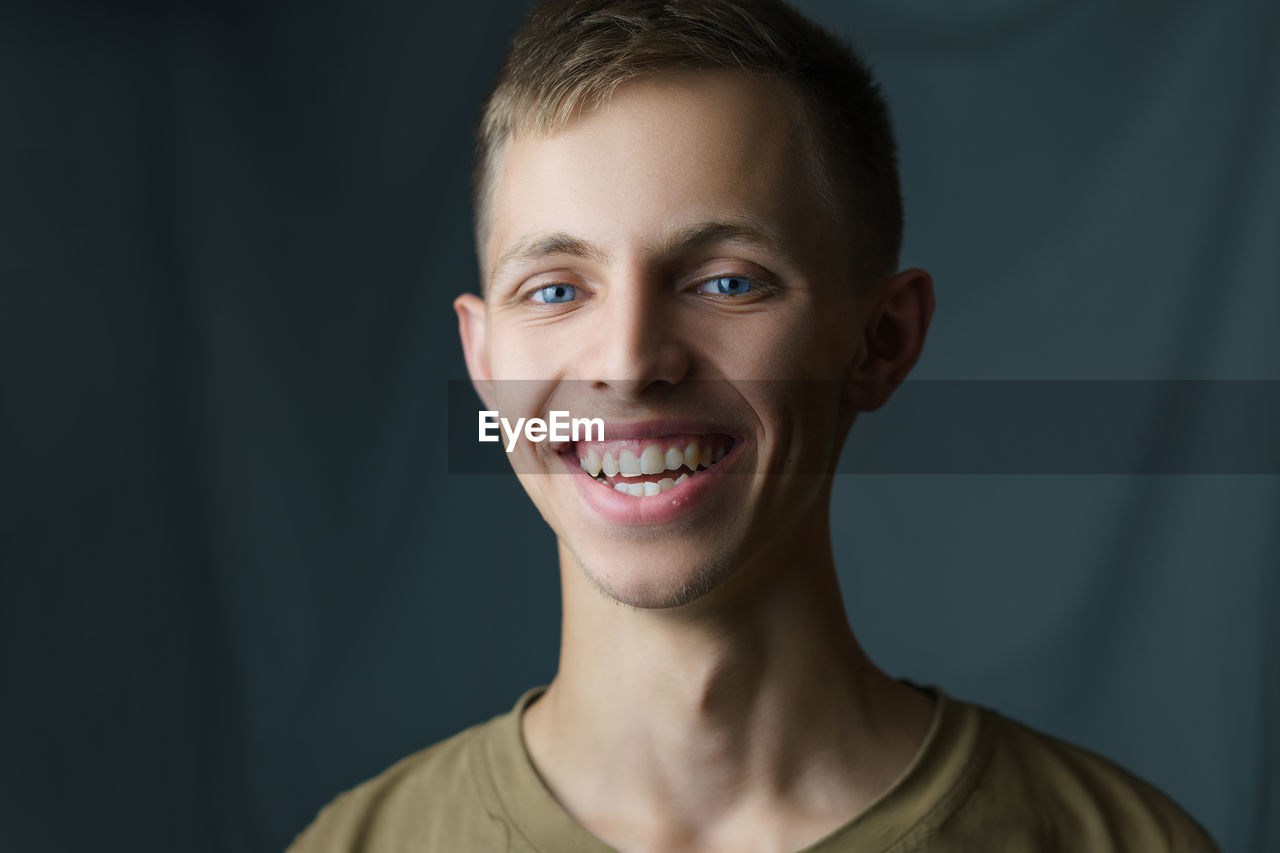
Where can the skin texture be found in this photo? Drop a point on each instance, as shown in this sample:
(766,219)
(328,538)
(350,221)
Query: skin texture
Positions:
(710,695)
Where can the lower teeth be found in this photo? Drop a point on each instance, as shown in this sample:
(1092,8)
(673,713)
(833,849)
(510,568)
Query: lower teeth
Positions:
(645,488)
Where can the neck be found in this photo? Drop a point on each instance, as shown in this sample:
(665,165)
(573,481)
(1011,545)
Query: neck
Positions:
(754,700)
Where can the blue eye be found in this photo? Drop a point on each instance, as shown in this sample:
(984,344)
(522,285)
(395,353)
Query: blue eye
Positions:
(555,293)
(727,285)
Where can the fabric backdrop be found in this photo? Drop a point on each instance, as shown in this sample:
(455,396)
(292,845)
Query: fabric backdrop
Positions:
(237,576)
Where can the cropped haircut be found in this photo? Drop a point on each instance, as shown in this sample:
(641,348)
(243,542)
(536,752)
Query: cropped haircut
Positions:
(570,55)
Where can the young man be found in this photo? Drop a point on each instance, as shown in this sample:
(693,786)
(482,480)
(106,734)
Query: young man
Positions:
(688,222)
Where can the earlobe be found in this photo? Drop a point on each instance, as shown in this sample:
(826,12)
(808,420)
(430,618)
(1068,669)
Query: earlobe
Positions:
(472,330)
(893,338)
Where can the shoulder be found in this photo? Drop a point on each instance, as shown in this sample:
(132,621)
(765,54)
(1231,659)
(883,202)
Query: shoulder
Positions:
(431,800)
(1063,796)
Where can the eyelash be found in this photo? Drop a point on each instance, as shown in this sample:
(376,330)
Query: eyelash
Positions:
(756,287)
(557,284)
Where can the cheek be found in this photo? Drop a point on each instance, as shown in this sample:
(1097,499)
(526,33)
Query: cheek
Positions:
(773,346)
(524,376)
(823,344)
(517,352)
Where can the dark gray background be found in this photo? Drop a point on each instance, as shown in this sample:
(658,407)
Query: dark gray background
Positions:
(237,578)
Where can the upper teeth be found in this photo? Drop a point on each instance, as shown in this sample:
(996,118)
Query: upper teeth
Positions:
(653,459)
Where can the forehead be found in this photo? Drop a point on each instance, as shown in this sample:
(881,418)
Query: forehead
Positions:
(664,155)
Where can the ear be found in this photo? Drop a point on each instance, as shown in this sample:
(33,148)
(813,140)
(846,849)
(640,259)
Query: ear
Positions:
(473,330)
(901,307)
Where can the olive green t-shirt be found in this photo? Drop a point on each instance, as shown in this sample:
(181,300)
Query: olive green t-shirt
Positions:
(980,782)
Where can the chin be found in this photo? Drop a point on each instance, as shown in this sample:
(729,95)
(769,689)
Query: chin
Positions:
(655,583)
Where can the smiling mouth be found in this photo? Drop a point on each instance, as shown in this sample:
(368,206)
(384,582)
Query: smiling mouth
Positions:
(644,467)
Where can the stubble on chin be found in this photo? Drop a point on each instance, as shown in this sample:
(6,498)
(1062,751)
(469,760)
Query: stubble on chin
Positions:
(640,589)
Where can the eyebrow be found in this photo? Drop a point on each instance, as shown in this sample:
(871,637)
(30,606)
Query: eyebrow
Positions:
(685,240)
(546,245)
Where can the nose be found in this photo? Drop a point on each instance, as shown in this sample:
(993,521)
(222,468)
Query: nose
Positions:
(636,343)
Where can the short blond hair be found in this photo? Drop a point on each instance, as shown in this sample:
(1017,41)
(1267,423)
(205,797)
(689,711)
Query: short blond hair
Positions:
(570,55)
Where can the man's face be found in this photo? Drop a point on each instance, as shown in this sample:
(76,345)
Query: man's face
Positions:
(664,263)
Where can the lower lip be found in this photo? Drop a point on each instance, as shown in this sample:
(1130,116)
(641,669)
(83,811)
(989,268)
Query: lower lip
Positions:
(664,507)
